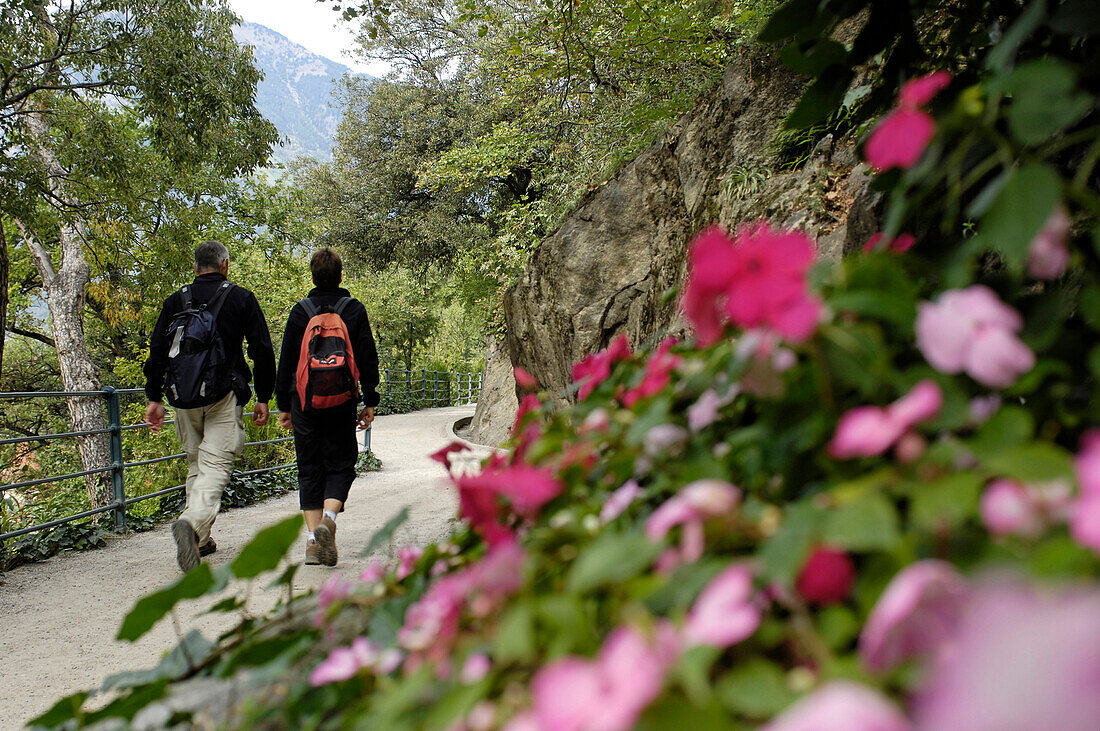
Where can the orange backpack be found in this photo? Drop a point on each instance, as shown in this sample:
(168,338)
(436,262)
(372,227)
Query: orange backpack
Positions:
(326,374)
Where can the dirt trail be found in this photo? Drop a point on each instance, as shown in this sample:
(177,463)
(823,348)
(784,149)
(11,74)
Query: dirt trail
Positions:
(59,618)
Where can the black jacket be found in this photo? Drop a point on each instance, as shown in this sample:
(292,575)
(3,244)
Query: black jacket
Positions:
(240,318)
(362,346)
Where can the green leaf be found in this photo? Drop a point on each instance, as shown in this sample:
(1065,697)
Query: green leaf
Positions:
(267,549)
(679,713)
(385,533)
(783,554)
(693,672)
(866,524)
(456,704)
(1035,462)
(822,98)
(823,54)
(515,637)
(612,558)
(184,657)
(1045,100)
(149,609)
(1094,362)
(1090,306)
(788,20)
(66,709)
(1010,426)
(755,688)
(1020,210)
(129,705)
(897,308)
(857,355)
(286,578)
(946,503)
(837,626)
(1003,54)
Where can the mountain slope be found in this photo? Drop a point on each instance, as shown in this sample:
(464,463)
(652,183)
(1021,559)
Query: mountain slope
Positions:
(296,92)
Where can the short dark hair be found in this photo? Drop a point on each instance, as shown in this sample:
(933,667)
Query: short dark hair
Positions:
(326,267)
(210,255)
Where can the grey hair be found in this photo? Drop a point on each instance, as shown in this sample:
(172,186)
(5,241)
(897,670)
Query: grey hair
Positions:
(210,255)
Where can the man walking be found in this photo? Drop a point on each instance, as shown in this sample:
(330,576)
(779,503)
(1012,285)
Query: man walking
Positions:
(196,359)
(328,352)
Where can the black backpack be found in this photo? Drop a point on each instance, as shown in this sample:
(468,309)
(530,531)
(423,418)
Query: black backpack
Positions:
(199,373)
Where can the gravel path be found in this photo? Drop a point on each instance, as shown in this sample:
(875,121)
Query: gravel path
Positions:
(58,618)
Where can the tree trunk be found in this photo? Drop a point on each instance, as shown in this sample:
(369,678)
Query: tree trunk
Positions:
(65,288)
(3,292)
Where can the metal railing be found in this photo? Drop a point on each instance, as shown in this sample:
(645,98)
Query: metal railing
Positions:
(117,468)
(427,388)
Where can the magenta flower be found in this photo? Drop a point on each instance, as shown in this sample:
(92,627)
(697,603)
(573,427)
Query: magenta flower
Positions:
(658,371)
(594,369)
(609,692)
(526,488)
(344,662)
(918,92)
(841,705)
(1048,257)
(619,501)
(442,456)
(867,431)
(826,577)
(597,420)
(1006,508)
(900,139)
(697,501)
(726,612)
(333,590)
(758,279)
(1087,464)
(898,245)
(1084,523)
(528,405)
(525,380)
(972,330)
(915,616)
(407,558)
(477,666)
(432,622)
(1020,659)
(374,572)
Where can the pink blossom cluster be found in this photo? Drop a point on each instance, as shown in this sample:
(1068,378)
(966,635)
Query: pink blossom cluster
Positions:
(345,662)
(1047,256)
(897,245)
(867,431)
(901,137)
(689,508)
(525,487)
(658,370)
(619,501)
(595,368)
(407,557)
(1085,512)
(333,590)
(529,404)
(972,330)
(756,279)
(525,380)
(431,624)
(1009,507)
(727,611)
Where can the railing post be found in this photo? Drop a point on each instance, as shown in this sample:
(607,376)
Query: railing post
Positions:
(479,386)
(435,388)
(423,386)
(118,474)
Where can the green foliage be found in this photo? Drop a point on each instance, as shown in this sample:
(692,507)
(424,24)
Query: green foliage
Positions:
(367,462)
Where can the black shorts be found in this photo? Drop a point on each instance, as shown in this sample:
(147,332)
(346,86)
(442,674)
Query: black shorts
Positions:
(327,449)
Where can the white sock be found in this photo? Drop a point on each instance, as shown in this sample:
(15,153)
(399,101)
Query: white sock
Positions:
(329,514)
(310,538)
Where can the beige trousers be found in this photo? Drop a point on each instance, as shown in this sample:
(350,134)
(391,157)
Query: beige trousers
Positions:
(212,436)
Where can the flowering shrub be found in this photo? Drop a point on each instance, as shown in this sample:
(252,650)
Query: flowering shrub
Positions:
(865,497)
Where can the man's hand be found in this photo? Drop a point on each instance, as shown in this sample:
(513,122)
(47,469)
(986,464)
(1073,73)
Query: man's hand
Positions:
(260,414)
(366,416)
(284,420)
(154,416)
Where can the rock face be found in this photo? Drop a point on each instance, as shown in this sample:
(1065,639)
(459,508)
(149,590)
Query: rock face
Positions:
(611,266)
(497,404)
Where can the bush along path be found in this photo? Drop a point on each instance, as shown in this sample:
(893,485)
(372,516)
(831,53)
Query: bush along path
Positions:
(62,617)
(865,496)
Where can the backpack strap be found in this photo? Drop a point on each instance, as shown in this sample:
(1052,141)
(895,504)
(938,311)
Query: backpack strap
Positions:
(214,306)
(341,305)
(310,307)
(186,292)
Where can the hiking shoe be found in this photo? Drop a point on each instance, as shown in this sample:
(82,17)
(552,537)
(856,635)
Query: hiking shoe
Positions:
(325,533)
(207,547)
(187,545)
(313,554)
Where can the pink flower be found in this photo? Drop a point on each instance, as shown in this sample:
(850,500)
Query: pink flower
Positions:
(756,280)
(530,404)
(972,330)
(1087,464)
(407,558)
(657,374)
(477,667)
(704,411)
(595,368)
(333,590)
(609,692)
(525,380)
(619,501)
(344,662)
(841,705)
(526,488)
(1007,509)
(442,456)
(697,501)
(826,577)
(982,408)
(918,92)
(374,572)
(597,420)
(1048,257)
(664,438)
(900,139)
(1084,523)
(982,682)
(898,245)
(432,622)
(867,431)
(725,612)
(915,616)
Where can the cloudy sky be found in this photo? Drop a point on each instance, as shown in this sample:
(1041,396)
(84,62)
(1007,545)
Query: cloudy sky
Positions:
(311,24)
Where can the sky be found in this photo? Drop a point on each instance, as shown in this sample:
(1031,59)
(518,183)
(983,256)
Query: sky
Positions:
(311,24)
